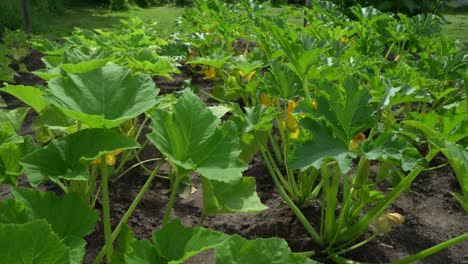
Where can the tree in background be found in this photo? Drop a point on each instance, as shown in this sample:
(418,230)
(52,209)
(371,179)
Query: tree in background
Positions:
(27,24)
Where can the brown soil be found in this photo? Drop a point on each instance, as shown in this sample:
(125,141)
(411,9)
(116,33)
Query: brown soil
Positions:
(432,215)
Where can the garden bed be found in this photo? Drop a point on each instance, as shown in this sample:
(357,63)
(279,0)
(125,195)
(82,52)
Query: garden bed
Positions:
(432,215)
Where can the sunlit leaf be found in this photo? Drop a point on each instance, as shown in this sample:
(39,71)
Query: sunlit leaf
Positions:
(221,197)
(192,137)
(175,244)
(389,146)
(30,95)
(323,146)
(103,97)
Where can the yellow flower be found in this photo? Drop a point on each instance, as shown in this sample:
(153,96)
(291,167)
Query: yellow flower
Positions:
(190,56)
(210,73)
(110,158)
(249,76)
(246,51)
(291,123)
(343,39)
(265,100)
(353,143)
(314,105)
(385,222)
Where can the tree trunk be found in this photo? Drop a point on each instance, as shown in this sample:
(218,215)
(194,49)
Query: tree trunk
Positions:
(307,5)
(1,33)
(27,25)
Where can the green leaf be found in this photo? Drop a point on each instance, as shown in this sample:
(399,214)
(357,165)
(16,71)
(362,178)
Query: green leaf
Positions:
(192,137)
(453,127)
(53,118)
(238,250)
(83,66)
(8,134)
(176,244)
(32,243)
(126,238)
(68,216)
(324,145)
(48,74)
(216,62)
(103,97)
(68,157)
(283,82)
(253,124)
(15,117)
(13,211)
(10,157)
(347,110)
(30,95)
(406,94)
(157,67)
(143,252)
(179,243)
(458,159)
(389,146)
(220,197)
(2,102)
(77,247)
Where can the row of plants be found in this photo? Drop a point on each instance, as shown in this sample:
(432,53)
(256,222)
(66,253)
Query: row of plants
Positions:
(320,105)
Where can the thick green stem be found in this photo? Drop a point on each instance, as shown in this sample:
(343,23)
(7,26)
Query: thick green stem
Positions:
(431,250)
(92,184)
(129,211)
(106,210)
(170,204)
(275,147)
(290,203)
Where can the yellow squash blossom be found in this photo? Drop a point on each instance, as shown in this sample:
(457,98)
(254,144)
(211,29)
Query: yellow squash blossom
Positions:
(291,123)
(190,56)
(110,158)
(265,100)
(249,76)
(210,73)
(314,105)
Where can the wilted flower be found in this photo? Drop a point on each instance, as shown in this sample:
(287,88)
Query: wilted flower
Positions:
(353,143)
(385,222)
(314,105)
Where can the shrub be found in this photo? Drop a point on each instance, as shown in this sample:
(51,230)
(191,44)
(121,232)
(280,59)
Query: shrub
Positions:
(408,7)
(119,5)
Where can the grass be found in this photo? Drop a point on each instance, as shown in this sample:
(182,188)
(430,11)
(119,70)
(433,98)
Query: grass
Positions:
(92,18)
(458,26)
